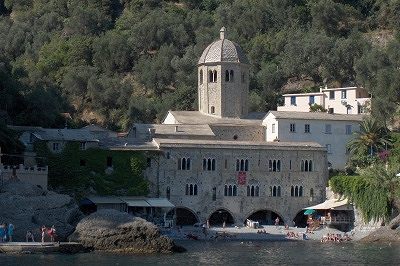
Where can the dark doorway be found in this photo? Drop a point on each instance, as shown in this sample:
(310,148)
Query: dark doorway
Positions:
(300,220)
(220,216)
(185,217)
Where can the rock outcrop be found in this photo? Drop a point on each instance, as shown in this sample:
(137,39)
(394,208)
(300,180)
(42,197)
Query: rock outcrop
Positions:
(116,231)
(383,235)
(29,207)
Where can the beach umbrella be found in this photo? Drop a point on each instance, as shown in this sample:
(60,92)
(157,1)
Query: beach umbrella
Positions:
(309,212)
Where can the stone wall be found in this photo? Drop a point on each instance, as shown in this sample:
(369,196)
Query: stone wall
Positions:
(30,174)
(240,133)
(240,206)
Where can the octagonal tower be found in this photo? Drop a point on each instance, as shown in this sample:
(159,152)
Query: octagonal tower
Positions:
(223,79)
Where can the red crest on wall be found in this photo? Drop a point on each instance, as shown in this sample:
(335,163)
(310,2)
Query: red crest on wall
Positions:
(242,178)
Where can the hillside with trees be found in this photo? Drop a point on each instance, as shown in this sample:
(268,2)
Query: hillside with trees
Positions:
(116,62)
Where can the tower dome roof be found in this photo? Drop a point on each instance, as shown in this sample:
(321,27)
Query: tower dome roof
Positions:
(223,50)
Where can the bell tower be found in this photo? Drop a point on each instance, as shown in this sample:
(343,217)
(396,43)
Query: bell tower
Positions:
(223,79)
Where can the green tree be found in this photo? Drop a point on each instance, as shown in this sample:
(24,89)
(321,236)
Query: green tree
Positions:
(376,192)
(368,141)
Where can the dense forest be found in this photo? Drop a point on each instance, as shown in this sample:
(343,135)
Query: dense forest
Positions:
(116,62)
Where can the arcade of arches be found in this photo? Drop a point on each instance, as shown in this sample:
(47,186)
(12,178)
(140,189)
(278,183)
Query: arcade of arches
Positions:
(186,216)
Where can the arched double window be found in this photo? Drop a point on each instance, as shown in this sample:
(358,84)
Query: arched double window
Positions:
(184,163)
(274,165)
(275,191)
(191,190)
(306,166)
(253,191)
(212,76)
(296,191)
(208,164)
(230,190)
(242,165)
(229,75)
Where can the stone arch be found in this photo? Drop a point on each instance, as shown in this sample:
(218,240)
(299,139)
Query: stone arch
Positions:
(265,216)
(300,220)
(219,216)
(185,216)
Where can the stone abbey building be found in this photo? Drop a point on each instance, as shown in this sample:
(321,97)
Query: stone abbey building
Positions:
(216,164)
(220,163)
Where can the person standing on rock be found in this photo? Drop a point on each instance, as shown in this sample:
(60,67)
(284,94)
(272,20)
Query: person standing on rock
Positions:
(10,232)
(29,236)
(2,232)
(52,233)
(43,233)
(5,235)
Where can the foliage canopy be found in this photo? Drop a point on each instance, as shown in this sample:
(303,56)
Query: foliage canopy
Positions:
(117,62)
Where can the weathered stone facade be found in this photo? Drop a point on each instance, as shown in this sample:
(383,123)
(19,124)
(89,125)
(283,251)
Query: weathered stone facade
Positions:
(172,182)
(217,161)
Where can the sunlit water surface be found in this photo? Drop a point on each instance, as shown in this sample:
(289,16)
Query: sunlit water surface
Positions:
(231,253)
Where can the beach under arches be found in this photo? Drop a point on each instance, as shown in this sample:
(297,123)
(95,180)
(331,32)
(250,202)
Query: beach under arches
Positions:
(185,216)
(265,217)
(220,216)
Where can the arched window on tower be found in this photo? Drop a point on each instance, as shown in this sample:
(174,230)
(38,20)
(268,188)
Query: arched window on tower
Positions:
(168,193)
(231,76)
(226,75)
(201,76)
(215,76)
(212,109)
(210,76)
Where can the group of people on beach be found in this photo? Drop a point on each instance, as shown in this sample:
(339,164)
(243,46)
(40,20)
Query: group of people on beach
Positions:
(6,232)
(51,232)
(335,238)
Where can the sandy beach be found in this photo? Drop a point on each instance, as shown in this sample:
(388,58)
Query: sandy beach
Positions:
(272,233)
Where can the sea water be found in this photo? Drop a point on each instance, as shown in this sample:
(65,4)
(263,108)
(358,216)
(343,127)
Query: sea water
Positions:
(231,253)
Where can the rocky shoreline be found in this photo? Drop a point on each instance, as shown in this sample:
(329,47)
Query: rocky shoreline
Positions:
(114,231)
(29,207)
(383,235)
